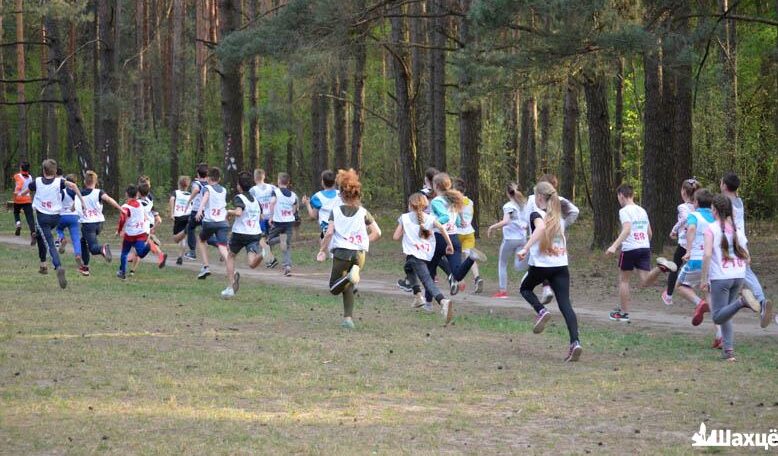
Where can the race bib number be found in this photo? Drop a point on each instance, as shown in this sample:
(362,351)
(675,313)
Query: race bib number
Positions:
(216,212)
(91,213)
(425,247)
(355,238)
(640,236)
(733,263)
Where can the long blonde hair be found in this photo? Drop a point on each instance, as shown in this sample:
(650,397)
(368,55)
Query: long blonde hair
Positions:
(553,218)
(723,206)
(442,183)
(418,202)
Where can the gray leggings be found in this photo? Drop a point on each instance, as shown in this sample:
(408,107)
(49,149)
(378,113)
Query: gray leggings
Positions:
(725,302)
(418,274)
(508,250)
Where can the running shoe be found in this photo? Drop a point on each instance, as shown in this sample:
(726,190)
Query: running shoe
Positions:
(478,285)
(61,245)
(236,281)
(428,307)
(699,312)
(500,295)
(718,343)
(153,238)
(287,271)
(106,251)
(404,285)
(540,321)
(179,261)
(666,298)
(749,300)
(190,255)
(767,314)
(132,272)
(228,293)
(83,270)
(43,270)
(63,282)
(347,323)
(204,272)
(574,353)
(453,285)
(666,265)
(729,355)
(547,296)
(418,300)
(162,260)
(353,275)
(18,229)
(447,310)
(121,275)
(477,255)
(618,315)
(272,264)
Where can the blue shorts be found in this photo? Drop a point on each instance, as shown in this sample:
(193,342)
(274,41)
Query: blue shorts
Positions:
(215,233)
(265,226)
(635,259)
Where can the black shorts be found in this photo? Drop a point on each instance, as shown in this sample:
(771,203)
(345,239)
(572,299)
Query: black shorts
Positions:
(239,241)
(180,224)
(635,259)
(215,233)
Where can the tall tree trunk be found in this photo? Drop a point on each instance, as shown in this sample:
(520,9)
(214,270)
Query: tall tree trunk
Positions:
(5,155)
(231,95)
(511,116)
(139,105)
(176,89)
(527,152)
(108,94)
(682,125)
(253,150)
(406,116)
(604,207)
(202,24)
(545,133)
(49,130)
(728,81)
(358,121)
(291,153)
(419,86)
(340,91)
(78,142)
(320,109)
(22,142)
(618,142)
(437,90)
(569,129)
(469,125)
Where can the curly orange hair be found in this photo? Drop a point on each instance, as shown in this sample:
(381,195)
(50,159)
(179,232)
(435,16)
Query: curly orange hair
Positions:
(350,187)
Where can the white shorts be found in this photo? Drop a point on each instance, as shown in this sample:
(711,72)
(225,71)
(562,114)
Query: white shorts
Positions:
(690,277)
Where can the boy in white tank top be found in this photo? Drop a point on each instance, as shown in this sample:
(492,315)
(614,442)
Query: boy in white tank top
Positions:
(283,206)
(213,215)
(133,228)
(246,233)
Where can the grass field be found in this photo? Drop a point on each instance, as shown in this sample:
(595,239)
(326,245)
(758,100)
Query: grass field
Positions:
(159,365)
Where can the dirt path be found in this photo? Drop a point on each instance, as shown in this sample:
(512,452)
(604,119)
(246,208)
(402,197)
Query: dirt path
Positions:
(589,302)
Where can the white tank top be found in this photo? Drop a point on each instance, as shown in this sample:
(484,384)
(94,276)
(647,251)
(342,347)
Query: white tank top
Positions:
(70,205)
(248,222)
(217,205)
(468,211)
(413,244)
(542,259)
(48,198)
(451,225)
(517,228)
(326,206)
(199,197)
(350,232)
(136,223)
(93,208)
(687,208)
(181,206)
(725,268)
(264,194)
(698,243)
(284,210)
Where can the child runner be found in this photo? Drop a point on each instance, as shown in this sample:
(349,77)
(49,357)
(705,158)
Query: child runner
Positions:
(547,250)
(47,203)
(514,226)
(153,219)
(570,213)
(466,234)
(23,200)
(415,229)
(678,232)
(92,219)
(635,243)
(350,230)
(179,214)
(283,205)
(263,193)
(133,225)
(213,215)
(195,197)
(724,270)
(696,224)
(70,219)
(322,202)
(246,231)
(447,208)
(729,185)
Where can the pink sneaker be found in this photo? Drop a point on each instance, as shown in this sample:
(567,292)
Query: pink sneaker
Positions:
(500,295)
(667,299)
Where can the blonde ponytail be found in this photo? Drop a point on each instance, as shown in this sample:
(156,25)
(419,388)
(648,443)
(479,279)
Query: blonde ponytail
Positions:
(553,218)
(455,198)
(418,203)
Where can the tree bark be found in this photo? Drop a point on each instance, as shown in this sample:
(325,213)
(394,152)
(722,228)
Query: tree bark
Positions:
(728,81)
(618,142)
(202,24)
(527,146)
(569,128)
(49,130)
(358,121)
(340,92)
(22,141)
(319,118)
(511,116)
(139,105)
(604,207)
(406,116)
(437,90)
(231,96)
(419,86)
(683,101)
(254,145)
(291,153)
(176,89)
(469,125)
(108,95)
(5,155)
(78,142)
(545,133)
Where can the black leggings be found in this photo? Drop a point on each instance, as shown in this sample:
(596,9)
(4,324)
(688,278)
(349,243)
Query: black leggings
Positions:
(27,209)
(559,280)
(672,277)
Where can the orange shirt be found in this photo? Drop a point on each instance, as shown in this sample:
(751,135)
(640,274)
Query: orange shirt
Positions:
(21,181)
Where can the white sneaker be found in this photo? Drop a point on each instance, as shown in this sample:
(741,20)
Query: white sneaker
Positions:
(228,293)
(353,275)
(418,300)
(750,300)
(447,310)
(548,295)
(477,255)
(427,307)
(204,272)
(666,265)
